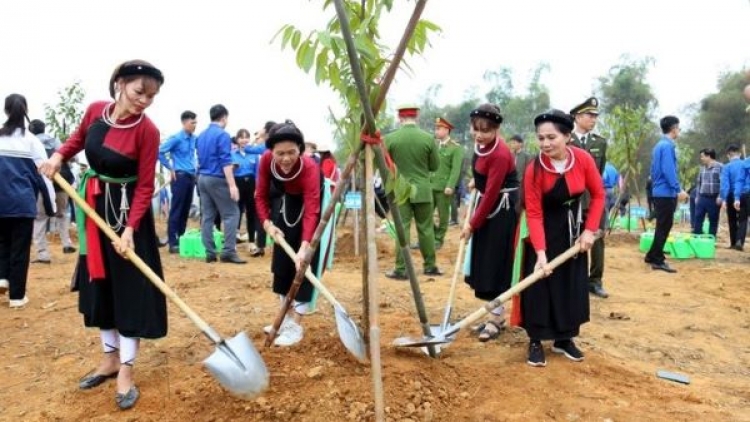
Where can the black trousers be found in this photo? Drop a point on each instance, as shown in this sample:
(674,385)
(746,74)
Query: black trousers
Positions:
(737,220)
(15,250)
(664,209)
(255,232)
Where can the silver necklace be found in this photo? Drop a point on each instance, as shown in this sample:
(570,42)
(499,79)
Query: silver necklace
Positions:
(283,213)
(121,218)
(107,117)
(476,149)
(282,178)
(566,169)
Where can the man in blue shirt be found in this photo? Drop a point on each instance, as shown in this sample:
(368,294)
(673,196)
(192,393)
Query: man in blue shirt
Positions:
(666,190)
(217,187)
(611,180)
(734,197)
(177,154)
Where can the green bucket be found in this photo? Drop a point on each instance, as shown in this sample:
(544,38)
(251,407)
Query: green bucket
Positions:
(681,248)
(704,246)
(191,243)
(629,223)
(647,239)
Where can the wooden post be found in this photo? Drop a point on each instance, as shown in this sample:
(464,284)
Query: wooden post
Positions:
(356,218)
(372,283)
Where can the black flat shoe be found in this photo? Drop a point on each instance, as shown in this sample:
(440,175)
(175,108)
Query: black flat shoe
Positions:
(94,380)
(433,271)
(69,249)
(210,259)
(127,400)
(598,290)
(232,259)
(663,267)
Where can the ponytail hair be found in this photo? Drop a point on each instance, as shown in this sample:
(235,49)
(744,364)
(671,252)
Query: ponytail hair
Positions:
(16,109)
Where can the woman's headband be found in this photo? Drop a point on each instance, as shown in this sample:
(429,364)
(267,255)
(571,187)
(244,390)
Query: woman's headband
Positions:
(140,70)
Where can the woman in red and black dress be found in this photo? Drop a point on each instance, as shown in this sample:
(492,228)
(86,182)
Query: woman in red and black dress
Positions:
(493,224)
(555,307)
(121,146)
(288,198)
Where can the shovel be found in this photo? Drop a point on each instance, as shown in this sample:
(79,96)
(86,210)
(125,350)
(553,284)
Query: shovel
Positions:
(347,328)
(449,334)
(235,363)
(437,330)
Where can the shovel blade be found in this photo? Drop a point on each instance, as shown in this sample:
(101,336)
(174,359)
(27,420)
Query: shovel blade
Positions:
(435,331)
(421,342)
(350,335)
(238,367)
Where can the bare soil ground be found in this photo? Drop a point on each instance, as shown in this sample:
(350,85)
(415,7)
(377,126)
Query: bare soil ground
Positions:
(695,322)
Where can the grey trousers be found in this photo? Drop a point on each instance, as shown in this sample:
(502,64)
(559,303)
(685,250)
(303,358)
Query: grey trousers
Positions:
(214,194)
(59,223)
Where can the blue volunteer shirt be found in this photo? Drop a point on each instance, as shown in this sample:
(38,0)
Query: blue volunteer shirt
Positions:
(732,179)
(214,147)
(244,163)
(181,150)
(745,176)
(664,169)
(610,177)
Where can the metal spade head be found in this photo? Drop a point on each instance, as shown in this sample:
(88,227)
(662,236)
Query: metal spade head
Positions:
(445,336)
(421,342)
(238,367)
(349,334)
(435,331)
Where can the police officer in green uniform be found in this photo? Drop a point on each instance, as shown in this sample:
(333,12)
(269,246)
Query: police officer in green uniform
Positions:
(445,179)
(415,154)
(586,115)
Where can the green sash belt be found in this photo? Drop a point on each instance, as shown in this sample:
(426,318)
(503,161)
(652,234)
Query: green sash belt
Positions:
(82,191)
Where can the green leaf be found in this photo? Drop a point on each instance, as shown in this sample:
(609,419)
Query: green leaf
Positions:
(309,58)
(430,25)
(321,66)
(287,36)
(325,39)
(296,36)
(301,53)
(334,76)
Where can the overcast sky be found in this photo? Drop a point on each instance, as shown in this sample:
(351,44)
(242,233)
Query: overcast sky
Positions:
(219,51)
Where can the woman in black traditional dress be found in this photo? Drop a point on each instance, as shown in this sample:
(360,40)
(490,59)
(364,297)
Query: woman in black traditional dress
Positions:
(121,146)
(493,224)
(555,307)
(288,198)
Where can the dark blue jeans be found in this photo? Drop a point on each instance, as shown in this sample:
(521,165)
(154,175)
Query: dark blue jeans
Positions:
(706,206)
(182,196)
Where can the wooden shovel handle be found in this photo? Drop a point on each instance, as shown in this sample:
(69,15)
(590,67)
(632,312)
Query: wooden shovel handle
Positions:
(137,261)
(521,286)
(460,256)
(308,273)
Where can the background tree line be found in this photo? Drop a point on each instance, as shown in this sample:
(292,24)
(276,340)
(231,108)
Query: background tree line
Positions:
(629,118)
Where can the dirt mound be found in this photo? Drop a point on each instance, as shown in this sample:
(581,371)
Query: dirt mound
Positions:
(692,322)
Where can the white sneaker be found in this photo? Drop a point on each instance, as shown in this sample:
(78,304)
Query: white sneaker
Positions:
(284,324)
(290,336)
(19,303)
(3,286)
